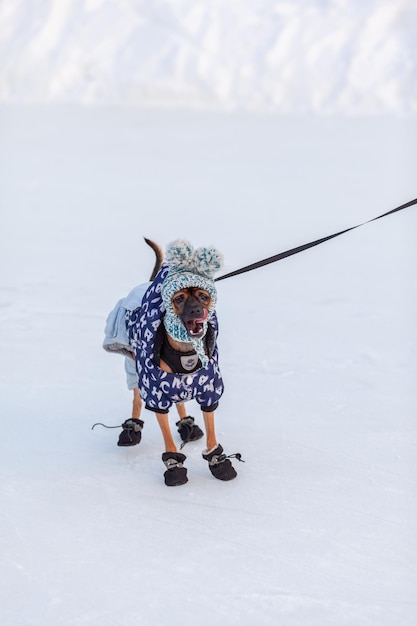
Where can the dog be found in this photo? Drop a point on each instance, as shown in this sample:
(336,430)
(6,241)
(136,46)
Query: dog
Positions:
(167,330)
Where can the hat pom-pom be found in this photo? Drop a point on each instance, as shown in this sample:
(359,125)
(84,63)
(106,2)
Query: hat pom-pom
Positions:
(179,254)
(208,261)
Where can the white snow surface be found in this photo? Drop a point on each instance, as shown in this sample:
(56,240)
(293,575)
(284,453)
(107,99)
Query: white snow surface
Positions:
(324,56)
(318,354)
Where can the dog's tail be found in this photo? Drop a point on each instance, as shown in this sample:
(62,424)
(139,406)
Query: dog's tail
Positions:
(159,257)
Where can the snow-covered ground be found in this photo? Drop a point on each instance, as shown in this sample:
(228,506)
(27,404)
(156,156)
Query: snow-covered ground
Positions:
(326,56)
(318,353)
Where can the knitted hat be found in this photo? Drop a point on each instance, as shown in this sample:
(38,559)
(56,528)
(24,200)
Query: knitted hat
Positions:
(189,268)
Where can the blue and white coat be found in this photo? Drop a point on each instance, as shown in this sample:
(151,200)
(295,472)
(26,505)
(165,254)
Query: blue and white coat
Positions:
(159,389)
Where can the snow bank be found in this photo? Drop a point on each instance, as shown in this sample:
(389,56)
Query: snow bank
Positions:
(327,56)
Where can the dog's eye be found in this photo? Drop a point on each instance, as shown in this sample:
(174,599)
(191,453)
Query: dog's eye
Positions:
(178,299)
(204,298)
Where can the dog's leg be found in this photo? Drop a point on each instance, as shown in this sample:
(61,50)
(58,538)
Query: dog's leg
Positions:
(137,404)
(211,440)
(166,432)
(176,473)
(219,464)
(182,413)
(131,434)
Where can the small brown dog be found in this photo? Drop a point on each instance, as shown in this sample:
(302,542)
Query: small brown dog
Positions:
(171,335)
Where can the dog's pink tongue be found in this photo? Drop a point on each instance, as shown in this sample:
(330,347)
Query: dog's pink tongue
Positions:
(200,320)
(203,319)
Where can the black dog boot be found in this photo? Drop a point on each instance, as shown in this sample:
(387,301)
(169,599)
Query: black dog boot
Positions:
(175,474)
(131,433)
(188,430)
(220,465)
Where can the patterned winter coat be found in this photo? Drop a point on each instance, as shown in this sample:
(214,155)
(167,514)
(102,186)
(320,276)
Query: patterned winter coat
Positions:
(160,389)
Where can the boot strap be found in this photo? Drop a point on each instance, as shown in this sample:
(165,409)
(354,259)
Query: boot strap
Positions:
(172,463)
(221,458)
(133,424)
(217,459)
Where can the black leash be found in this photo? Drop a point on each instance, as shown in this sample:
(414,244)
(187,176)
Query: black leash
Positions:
(306,246)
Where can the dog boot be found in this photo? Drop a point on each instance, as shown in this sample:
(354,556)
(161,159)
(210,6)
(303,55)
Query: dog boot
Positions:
(188,430)
(131,433)
(176,473)
(219,464)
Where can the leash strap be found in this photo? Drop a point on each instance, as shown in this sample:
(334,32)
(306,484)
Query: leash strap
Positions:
(306,246)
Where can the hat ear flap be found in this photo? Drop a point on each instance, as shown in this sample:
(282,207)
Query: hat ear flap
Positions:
(208,261)
(179,254)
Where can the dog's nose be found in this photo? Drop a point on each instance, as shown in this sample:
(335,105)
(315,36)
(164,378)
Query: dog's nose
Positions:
(193,308)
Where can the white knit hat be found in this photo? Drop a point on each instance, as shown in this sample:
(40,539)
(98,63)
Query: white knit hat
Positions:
(189,268)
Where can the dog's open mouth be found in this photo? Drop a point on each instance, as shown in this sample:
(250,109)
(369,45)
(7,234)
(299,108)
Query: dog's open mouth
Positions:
(195,327)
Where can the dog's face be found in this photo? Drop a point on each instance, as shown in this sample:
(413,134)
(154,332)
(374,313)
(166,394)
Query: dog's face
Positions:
(191,305)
